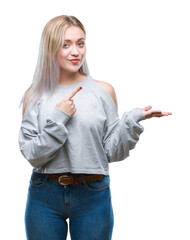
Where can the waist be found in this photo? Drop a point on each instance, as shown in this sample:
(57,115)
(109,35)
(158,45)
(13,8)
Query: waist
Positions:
(73,178)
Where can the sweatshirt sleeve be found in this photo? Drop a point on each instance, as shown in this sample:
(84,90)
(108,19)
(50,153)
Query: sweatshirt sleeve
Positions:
(40,147)
(122,135)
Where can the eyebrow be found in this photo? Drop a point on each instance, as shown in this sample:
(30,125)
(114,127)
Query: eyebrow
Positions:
(68,40)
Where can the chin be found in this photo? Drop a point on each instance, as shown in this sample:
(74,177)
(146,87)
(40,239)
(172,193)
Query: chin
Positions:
(73,70)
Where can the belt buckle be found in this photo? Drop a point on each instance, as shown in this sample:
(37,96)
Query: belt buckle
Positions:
(64,177)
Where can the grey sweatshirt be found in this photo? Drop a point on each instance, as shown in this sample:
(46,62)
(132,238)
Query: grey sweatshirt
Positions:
(86,142)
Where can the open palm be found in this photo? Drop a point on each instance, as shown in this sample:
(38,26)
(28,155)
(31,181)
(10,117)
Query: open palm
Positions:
(148,113)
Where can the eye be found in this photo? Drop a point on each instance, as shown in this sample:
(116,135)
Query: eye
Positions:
(82,44)
(64,45)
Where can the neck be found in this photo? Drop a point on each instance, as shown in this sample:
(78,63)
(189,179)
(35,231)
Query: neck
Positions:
(69,77)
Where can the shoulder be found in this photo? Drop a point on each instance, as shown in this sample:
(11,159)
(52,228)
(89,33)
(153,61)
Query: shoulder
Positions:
(110,89)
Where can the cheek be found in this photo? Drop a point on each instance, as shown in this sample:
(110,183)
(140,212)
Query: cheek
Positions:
(83,51)
(62,58)
(83,55)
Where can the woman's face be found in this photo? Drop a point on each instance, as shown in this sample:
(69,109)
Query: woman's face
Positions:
(73,48)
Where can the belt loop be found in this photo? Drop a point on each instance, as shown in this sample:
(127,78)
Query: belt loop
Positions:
(83,179)
(75,179)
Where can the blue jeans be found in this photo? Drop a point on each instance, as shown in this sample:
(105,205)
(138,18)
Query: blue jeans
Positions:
(87,206)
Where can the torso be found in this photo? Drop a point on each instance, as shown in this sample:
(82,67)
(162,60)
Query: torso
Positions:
(95,111)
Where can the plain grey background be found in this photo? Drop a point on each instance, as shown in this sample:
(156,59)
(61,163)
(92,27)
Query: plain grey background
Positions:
(140,47)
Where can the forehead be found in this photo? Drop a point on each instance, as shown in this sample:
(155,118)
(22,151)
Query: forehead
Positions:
(73,33)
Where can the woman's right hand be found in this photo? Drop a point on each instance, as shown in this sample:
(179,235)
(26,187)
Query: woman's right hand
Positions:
(66,105)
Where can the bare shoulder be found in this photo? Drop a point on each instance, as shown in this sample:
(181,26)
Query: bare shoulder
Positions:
(110,89)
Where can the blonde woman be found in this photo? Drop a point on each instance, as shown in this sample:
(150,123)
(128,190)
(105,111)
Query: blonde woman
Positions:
(70,132)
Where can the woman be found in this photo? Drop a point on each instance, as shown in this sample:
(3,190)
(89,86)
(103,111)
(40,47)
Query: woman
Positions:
(70,132)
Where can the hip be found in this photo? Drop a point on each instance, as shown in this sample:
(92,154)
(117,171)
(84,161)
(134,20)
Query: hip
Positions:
(68,199)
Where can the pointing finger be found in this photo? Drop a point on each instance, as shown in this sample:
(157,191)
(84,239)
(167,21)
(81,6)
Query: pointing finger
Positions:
(73,93)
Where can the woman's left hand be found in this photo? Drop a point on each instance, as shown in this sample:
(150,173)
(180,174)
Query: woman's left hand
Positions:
(153,113)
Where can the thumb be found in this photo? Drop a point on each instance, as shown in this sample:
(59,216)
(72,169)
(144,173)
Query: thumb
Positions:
(147,108)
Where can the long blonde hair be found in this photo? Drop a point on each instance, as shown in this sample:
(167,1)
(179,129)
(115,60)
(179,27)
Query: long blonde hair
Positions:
(47,70)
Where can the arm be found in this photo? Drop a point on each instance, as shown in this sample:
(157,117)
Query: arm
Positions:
(39,148)
(122,135)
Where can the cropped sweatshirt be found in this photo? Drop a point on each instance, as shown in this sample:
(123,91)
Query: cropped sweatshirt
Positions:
(86,142)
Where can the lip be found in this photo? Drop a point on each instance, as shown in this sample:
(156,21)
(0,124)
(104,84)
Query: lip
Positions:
(76,60)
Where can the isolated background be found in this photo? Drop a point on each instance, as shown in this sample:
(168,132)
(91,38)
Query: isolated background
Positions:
(142,48)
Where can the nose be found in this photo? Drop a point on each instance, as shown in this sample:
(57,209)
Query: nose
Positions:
(74,50)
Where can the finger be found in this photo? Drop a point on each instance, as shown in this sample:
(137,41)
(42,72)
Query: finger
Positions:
(168,113)
(160,115)
(156,115)
(152,112)
(156,112)
(73,93)
(147,108)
